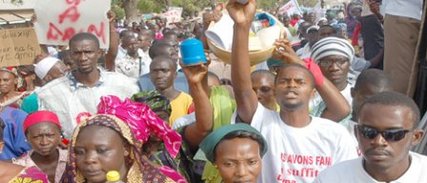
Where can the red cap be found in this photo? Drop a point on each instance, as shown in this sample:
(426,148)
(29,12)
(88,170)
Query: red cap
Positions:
(40,117)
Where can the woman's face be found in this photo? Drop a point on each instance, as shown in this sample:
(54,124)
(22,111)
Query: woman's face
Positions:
(98,150)
(238,160)
(7,82)
(44,138)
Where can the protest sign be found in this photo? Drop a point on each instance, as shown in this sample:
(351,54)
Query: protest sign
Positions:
(59,20)
(173,15)
(18,46)
(290,8)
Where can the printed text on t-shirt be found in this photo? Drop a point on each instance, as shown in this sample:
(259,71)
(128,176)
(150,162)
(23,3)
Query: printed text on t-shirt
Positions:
(296,165)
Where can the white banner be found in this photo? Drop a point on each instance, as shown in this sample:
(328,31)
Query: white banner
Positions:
(173,15)
(59,20)
(290,8)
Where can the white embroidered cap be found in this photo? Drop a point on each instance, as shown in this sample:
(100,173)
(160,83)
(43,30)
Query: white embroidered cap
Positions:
(42,68)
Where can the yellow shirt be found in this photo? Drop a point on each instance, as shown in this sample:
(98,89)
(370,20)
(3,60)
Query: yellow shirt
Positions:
(180,106)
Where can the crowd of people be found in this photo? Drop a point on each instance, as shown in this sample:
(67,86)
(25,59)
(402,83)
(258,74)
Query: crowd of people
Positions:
(332,104)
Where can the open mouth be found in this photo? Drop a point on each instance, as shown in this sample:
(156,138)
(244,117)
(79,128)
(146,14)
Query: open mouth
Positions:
(291,94)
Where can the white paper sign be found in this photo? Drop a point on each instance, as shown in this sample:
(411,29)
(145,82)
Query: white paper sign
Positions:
(290,8)
(59,20)
(173,15)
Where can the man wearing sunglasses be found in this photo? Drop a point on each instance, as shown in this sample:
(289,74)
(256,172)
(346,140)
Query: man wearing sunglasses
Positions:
(386,131)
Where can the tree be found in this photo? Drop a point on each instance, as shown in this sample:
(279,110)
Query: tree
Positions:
(116,7)
(132,8)
(131,12)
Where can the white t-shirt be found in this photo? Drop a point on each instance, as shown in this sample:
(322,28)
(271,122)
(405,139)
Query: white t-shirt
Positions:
(317,105)
(352,171)
(405,8)
(350,125)
(298,154)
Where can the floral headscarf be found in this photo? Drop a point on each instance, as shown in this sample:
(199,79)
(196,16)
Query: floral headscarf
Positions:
(140,169)
(154,99)
(142,121)
(14,71)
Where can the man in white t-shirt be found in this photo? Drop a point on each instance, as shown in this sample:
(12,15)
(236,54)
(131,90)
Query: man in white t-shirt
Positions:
(300,146)
(386,132)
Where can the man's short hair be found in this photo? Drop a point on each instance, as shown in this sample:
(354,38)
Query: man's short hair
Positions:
(263,72)
(126,33)
(157,49)
(374,77)
(327,26)
(165,58)
(285,66)
(169,34)
(84,36)
(390,98)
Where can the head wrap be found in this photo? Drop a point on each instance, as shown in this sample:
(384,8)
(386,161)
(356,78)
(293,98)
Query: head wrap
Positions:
(141,120)
(154,99)
(313,27)
(332,46)
(140,170)
(11,70)
(43,67)
(41,117)
(209,144)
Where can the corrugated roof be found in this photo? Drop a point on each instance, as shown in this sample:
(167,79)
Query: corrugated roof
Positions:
(15,16)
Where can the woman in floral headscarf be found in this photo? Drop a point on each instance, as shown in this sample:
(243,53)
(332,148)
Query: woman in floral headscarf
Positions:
(212,111)
(112,140)
(9,80)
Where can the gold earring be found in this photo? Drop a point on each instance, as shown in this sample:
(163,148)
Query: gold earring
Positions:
(126,153)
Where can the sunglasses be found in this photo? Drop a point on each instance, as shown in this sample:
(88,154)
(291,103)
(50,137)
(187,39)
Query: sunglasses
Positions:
(391,135)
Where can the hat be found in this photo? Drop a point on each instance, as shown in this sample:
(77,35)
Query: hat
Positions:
(41,117)
(43,67)
(209,144)
(332,46)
